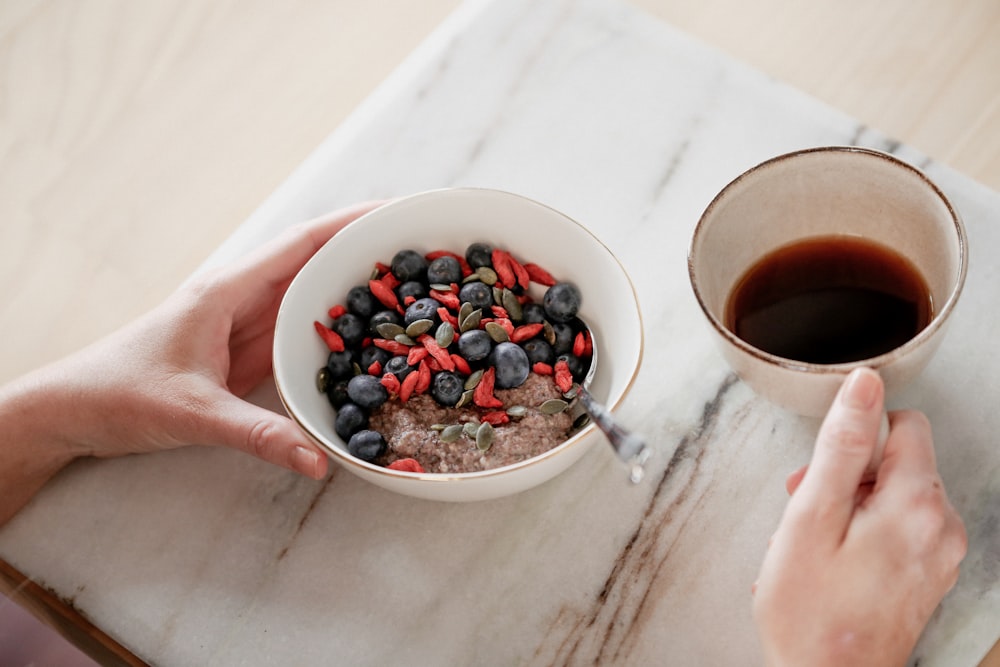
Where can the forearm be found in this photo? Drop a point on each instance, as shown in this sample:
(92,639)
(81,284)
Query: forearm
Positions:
(33,438)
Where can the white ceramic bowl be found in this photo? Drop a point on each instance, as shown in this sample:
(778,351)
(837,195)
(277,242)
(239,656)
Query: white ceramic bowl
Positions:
(450,220)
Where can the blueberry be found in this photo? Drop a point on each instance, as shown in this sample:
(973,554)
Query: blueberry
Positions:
(539,351)
(561,302)
(475,345)
(351,328)
(576,365)
(384,317)
(444,270)
(565,335)
(532,313)
(409,265)
(479,254)
(447,388)
(398,367)
(340,365)
(336,392)
(366,445)
(413,288)
(421,309)
(480,295)
(362,302)
(371,354)
(351,418)
(511,363)
(367,391)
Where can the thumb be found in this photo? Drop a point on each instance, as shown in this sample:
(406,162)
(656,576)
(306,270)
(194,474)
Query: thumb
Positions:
(844,447)
(265,434)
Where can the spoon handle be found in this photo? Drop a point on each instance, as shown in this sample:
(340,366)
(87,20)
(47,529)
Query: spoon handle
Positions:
(629,447)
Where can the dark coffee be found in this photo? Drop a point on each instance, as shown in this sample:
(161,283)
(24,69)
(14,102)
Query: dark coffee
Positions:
(829,300)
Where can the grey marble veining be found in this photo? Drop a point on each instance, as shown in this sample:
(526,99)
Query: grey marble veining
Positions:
(204,556)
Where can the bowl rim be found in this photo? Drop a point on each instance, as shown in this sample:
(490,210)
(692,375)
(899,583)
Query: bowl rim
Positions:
(879,361)
(571,443)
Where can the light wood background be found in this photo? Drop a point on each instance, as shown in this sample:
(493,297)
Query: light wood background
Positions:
(135,135)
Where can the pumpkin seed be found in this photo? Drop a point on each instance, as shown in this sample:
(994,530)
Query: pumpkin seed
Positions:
(438,427)
(486,275)
(389,330)
(497,332)
(553,406)
(445,334)
(440,287)
(464,311)
(451,433)
(472,320)
(322,380)
(497,295)
(470,429)
(512,305)
(472,381)
(405,340)
(465,399)
(548,332)
(419,327)
(484,436)
(516,411)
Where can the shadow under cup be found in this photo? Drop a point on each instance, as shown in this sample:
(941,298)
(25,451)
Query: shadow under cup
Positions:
(826,192)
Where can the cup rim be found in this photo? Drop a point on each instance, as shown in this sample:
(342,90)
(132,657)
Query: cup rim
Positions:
(839,368)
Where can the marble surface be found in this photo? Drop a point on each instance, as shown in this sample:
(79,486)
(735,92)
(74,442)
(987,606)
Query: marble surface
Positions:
(204,556)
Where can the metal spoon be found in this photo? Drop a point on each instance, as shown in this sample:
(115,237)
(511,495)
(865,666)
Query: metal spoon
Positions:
(630,448)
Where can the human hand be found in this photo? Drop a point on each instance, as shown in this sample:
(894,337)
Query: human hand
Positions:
(854,570)
(174,377)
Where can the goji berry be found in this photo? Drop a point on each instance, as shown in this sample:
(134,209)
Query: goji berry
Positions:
(446,316)
(375,368)
(520,273)
(330,337)
(406,465)
(539,275)
(526,332)
(499,311)
(390,280)
(496,417)
(461,365)
(563,376)
(483,393)
(416,354)
(384,294)
(448,299)
(392,346)
(502,267)
(336,311)
(407,387)
(438,352)
(391,383)
(542,368)
(409,300)
(423,374)
(579,344)
(507,325)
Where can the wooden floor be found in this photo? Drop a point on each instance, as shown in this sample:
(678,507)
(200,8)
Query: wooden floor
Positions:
(135,136)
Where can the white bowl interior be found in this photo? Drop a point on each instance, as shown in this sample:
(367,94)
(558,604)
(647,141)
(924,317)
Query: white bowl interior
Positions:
(451,220)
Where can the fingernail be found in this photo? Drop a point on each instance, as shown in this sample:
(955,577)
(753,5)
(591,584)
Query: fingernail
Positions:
(860,390)
(305,461)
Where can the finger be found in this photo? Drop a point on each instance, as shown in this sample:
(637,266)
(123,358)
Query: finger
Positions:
(909,449)
(267,435)
(794,479)
(845,444)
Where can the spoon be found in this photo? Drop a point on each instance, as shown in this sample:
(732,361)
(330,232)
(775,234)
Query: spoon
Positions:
(630,448)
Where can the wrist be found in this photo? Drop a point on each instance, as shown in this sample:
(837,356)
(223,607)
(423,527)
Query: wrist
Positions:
(34,440)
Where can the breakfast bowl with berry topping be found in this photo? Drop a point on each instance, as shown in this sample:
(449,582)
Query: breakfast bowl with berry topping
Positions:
(433,346)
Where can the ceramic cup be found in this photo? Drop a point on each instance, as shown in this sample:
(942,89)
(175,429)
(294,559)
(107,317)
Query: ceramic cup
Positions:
(828,191)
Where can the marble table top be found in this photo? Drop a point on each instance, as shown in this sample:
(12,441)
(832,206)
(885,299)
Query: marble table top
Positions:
(209,557)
